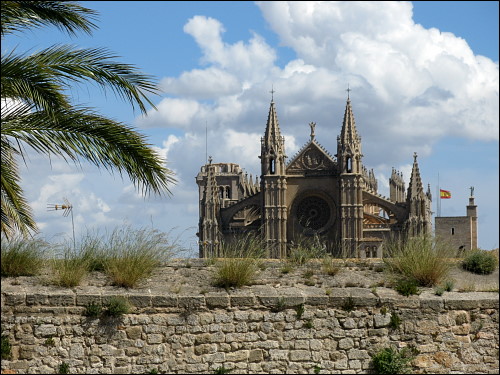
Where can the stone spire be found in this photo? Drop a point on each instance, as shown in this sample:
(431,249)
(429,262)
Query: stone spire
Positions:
(349,144)
(349,134)
(272,136)
(415,188)
(209,231)
(273,187)
(273,146)
(418,202)
(351,183)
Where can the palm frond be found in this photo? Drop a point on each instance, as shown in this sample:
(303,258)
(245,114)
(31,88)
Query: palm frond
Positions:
(81,133)
(24,79)
(16,213)
(66,15)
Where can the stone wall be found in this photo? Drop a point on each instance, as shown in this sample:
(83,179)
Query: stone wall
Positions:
(257,331)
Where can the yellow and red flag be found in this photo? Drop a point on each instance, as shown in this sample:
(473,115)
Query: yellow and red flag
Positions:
(444,194)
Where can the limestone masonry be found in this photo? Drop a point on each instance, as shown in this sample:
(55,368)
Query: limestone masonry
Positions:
(262,329)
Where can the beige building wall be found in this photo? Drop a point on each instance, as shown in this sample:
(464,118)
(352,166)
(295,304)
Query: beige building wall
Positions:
(456,230)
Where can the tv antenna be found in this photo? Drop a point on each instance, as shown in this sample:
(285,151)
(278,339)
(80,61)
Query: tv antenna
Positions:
(67,208)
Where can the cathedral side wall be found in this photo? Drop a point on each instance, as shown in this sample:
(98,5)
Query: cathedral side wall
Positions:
(455,230)
(249,332)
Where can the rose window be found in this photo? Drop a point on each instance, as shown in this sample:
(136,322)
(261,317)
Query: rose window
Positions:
(313,213)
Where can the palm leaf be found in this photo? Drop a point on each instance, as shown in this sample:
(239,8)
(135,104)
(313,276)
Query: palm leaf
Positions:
(80,133)
(66,15)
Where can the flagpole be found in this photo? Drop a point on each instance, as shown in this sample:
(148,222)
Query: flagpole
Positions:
(438,199)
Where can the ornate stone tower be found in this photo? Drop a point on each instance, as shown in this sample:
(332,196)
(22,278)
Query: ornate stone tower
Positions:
(209,225)
(273,187)
(351,183)
(397,187)
(419,207)
(472,215)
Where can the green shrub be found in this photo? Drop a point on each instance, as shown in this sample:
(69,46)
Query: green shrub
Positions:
(116,307)
(280,305)
(6,347)
(50,342)
(134,254)
(449,285)
(222,370)
(308,324)
(480,262)
(423,259)
(299,309)
(407,287)
(93,310)
(21,257)
(391,361)
(287,268)
(64,368)
(395,321)
(348,304)
(439,291)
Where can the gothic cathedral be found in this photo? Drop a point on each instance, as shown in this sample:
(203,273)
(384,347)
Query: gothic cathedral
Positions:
(334,197)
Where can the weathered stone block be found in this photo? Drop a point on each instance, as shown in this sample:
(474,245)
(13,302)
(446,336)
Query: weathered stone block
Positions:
(381,320)
(214,300)
(357,354)
(241,300)
(300,355)
(191,302)
(164,301)
(87,299)
(140,300)
(255,355)
(346,343)
(37,299)
(238,356)
(45,330)
(13,299)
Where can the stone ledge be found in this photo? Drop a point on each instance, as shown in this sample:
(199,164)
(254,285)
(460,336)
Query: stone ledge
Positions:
(263,298)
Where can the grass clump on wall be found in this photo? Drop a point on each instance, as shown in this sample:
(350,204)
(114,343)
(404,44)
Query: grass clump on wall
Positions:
(239,262)
(134,254)
(423,259)
(22,257)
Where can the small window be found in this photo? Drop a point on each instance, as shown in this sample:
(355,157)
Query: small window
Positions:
(452,231)
(272,166)
(349,165)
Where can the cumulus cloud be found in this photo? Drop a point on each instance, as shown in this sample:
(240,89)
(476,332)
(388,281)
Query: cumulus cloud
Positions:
(210,83)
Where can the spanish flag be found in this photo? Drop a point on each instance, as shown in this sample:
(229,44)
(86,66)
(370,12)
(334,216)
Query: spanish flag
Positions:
(444,194)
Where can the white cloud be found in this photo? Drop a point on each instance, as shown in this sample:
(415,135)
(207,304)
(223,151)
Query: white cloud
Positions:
(246,60)
(210,83)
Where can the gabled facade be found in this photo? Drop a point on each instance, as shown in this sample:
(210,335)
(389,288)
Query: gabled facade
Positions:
(315,193)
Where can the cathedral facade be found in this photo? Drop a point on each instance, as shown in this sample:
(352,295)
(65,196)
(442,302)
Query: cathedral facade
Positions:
(315,193)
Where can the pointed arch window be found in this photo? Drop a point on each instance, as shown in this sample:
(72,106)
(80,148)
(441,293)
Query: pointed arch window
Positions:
(348,164)
(272,166)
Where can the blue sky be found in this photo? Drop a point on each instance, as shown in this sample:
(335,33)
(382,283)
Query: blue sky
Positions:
(424,78)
